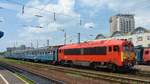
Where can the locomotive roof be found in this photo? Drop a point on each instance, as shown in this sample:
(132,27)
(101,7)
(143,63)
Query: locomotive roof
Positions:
(94,43)
(147,48)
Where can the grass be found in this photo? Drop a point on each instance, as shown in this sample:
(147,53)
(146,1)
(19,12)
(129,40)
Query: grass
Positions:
(74,75)
(6,60)
(11,60)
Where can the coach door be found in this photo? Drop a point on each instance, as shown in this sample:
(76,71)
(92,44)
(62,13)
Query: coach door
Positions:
(55,55)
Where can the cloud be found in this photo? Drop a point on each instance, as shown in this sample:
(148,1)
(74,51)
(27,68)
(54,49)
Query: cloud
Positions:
(93,3)
(139,8)
(65,15)
(63,8)
(10,6)
(39,29)
(2,19)
(89,25)
(35,32)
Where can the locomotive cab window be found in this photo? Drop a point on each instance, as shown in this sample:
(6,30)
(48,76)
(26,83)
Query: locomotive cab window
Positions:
(59,51)
(126,48)
(146,52)
(72,51)
(116,48)
(109,48)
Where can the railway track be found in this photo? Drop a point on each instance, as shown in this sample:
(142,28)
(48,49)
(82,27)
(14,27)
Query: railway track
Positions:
(112,77)
(143,73)
(41,79)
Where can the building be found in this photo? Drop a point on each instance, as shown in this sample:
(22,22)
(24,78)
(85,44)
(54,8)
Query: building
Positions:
(22,47)
(122,22)
(139,36)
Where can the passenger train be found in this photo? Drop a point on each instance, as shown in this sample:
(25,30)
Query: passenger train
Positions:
(142,55)
(113,54)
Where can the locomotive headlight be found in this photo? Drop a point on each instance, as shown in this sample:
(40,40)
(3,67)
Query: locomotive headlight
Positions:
(133,56)
(123,56)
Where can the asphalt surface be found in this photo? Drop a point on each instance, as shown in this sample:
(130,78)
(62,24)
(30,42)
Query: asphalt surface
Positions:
(7,77)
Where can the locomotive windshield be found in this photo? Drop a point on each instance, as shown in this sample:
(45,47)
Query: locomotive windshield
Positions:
(132,48)
(126,48)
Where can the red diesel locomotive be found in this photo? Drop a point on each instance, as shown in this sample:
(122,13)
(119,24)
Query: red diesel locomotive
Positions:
(113,54)
(146,56)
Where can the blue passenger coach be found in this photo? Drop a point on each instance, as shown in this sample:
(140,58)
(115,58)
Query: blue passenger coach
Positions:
(43,54)
(139,54)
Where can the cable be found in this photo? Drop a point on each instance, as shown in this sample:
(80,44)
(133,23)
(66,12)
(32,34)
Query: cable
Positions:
(80,22)
(50,12)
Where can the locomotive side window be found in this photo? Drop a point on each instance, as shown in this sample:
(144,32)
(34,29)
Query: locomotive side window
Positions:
(82,51)
(109,48)
(116,48)
(95,51)
(72,51)
(86,51)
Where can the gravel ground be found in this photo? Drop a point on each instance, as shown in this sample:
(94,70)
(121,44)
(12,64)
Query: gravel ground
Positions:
(65,77)
(142,67)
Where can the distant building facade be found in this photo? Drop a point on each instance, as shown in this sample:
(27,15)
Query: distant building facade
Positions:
(122,23)
(139,36)
(22,47)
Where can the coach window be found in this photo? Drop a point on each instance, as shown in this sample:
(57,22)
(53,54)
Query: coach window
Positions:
(148,37)
(110,49)
(46,52)
(116,48)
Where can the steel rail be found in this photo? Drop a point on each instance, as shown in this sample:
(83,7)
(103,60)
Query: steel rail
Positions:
(113,77)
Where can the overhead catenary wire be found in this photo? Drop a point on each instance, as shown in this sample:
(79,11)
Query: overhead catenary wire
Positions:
(55,14)
(23,5)
(81,21)
(48,12)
